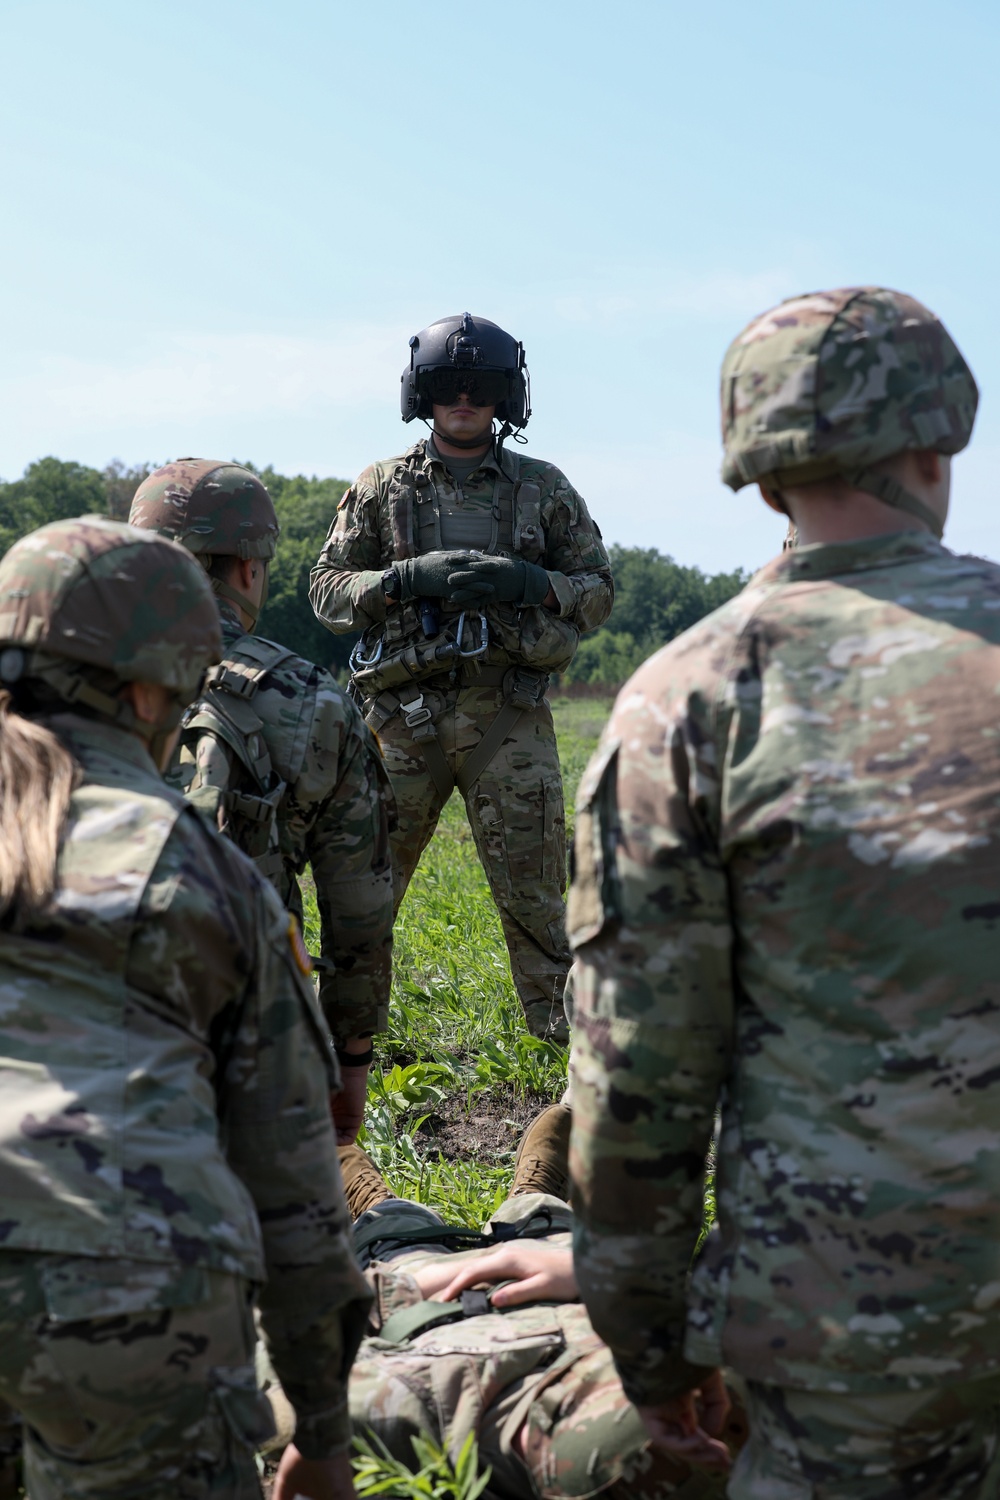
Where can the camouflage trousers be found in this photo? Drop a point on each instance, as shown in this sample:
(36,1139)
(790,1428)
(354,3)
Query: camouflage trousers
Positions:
(535,1385)
(123,1397)
(814,1445)
(517,818)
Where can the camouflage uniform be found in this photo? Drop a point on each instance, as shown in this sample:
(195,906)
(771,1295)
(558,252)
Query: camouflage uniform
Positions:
(280,759)
(431,711)
(785,904)
(539,1371)
(165,1136)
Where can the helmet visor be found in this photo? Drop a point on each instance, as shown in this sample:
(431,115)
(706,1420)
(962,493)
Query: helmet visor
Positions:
(482,387)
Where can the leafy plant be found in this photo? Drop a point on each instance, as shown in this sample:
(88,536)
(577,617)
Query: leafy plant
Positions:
(376,1472)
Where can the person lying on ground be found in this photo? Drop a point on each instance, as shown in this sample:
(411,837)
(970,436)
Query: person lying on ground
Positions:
(483,1334)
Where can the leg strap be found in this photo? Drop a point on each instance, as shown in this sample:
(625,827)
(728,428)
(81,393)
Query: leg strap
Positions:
(477,760)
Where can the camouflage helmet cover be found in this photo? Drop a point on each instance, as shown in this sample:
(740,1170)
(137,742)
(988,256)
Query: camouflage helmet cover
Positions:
(211,507)
(833,382)
(105,595)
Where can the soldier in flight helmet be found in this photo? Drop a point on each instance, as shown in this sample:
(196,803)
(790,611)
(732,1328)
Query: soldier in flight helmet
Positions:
(784,908)
(164,1072)
(472,572)
(467,354)
(280,759)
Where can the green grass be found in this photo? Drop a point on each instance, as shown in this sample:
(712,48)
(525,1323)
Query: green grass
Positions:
(456,1029)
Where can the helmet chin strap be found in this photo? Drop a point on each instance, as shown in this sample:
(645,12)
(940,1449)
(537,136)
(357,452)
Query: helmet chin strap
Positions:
(891,492)
(226,591)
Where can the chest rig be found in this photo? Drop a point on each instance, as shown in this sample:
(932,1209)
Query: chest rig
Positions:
(244,803)
(424,640)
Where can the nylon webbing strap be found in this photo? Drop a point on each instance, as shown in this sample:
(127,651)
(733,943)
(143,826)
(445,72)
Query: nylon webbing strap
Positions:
(224,591)
(891,492)
(477,760)
(437,764)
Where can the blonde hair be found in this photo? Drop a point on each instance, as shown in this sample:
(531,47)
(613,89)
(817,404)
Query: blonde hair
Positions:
(37,777)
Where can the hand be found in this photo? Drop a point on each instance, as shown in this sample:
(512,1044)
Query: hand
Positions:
(427,577)
(313,1478)
(509,580)
(539,1273)
(348,1107)
(689,1426)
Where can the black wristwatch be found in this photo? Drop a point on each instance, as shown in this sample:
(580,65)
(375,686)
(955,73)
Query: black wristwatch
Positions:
(392,584)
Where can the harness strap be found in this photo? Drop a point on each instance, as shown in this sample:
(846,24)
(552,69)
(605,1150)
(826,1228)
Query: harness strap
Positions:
(408,1323)
(477,760)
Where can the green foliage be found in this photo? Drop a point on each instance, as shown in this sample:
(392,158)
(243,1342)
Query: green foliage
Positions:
(49,490)
(608,657)
(376,1472)
(655,600)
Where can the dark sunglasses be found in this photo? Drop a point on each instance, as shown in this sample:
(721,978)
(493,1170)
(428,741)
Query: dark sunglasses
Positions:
(484,388)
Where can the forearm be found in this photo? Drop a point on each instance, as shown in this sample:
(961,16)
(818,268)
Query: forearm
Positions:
(346,599)
(280,1141)
(356,925)
(313,1320)
(642,1127)
(585,599)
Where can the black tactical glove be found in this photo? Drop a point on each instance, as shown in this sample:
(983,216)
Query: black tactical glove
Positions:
(427,577)
(508,580)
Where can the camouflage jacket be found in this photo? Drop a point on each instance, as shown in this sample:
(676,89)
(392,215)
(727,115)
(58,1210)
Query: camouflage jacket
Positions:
(331,806)
(165,1075)
(786,902)
(393,511)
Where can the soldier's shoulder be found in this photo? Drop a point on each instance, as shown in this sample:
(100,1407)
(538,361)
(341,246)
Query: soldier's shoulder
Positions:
(376,476)
(539,471)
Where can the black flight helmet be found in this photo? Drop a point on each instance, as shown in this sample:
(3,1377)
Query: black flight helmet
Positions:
(471,355)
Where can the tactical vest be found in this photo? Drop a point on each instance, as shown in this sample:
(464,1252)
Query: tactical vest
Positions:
(108,1126)
(245,806)
(402,651)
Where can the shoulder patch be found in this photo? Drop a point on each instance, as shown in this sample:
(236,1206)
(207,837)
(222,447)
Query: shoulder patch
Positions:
(297,943)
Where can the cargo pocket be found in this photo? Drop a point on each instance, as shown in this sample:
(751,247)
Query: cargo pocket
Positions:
(491,842)
(553,836)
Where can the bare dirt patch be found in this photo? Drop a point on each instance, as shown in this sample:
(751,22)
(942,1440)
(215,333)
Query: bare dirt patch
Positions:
(488,1129)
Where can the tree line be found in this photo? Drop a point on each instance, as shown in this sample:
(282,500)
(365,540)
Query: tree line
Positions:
(655,597)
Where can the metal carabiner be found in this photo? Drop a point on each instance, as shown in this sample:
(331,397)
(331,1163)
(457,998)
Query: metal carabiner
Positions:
(359,663)
(484,637)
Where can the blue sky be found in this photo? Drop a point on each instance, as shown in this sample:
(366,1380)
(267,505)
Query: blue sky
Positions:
(223,222)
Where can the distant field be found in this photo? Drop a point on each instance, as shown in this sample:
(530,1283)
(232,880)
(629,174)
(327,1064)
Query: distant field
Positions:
(457,1077)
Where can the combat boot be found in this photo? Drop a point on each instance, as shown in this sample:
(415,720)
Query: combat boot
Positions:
(364,1185)
(542,1164)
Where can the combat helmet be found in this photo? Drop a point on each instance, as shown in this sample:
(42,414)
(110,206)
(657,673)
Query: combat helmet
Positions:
(214,509)
(466,354)
(831,383)
(89,604)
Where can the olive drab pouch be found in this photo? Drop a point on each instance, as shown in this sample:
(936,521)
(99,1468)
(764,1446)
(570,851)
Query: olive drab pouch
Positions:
(223,765)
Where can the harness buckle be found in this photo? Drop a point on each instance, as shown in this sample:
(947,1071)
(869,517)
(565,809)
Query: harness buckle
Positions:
(416,712)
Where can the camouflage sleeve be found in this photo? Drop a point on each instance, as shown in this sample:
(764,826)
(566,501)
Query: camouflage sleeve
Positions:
(280,1140)
(648,916)
(338,811)
(345,586)
(213,946)
(576,558)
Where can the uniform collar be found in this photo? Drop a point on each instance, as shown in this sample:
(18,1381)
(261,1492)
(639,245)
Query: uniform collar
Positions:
(488,462)
(90,737)
(833,559)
